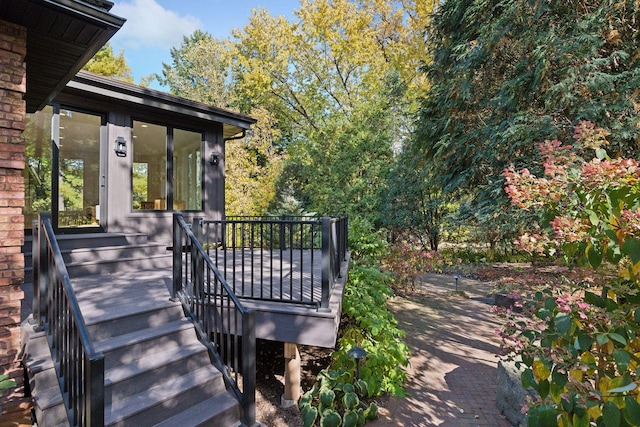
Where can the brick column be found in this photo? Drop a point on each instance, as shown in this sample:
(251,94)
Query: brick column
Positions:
(13,48)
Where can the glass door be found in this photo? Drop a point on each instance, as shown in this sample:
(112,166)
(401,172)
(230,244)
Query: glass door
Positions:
(62,171)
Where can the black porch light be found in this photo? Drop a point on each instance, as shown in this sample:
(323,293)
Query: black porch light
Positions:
(120,147)
(214,159)
(357,353)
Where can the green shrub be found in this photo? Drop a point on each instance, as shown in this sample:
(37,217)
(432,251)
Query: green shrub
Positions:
(337,400)
(367,323)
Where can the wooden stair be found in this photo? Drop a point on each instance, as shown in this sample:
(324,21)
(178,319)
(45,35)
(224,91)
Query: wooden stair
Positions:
(157,373)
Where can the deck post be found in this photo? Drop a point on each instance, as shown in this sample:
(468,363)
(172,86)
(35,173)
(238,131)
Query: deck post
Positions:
(291,375)
(177,258)
(326,263)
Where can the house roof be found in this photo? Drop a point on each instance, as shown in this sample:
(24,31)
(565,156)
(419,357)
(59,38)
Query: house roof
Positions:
(62,35)
(141,98)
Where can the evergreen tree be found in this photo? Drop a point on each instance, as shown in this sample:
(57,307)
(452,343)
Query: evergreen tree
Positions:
(507,74)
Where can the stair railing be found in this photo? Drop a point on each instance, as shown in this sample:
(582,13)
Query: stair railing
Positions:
(222,323)
(79,368)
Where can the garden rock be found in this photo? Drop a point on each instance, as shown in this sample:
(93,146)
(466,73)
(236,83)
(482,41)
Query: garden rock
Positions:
(511,394)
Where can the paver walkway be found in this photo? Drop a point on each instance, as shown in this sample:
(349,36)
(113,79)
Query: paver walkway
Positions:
(452,377)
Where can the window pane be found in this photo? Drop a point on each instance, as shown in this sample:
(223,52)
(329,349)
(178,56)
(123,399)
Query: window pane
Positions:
(187,170)
(149,166)
(37,171)
(79,181)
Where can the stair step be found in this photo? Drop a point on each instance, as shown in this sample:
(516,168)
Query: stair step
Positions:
(124,349)
(127,319)
(150,371)
(226,414)
(160,403)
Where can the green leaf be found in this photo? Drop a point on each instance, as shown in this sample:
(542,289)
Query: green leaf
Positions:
(309,414)
(563,323)
(350,419)
(611,414)
(371,413)
(362,387)
(622,359)
(547,417)
(602,339)
(594,255)
(594,299)
(631,247)
(631,411)
(593,217)
(543,389)
(350,400)
(326,398)
(527,378)
(550,303)
(348,388)
(559,378)
(543,314)
(305,400)
(330,419)
(583,342)
(636,315)
(618,338)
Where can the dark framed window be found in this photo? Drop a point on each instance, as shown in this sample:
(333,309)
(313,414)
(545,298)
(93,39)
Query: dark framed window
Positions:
(167,168)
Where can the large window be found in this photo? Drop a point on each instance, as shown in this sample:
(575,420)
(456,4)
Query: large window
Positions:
(159,184)
(62,167)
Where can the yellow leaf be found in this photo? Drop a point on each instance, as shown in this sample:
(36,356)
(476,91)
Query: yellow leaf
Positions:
(540,371)
(594,412)
(576,373)
(604,384)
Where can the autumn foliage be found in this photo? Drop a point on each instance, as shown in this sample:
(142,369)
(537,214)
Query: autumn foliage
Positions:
(580,346)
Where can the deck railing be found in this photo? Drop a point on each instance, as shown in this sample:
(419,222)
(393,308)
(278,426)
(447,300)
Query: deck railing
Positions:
(289,259)
(79,368)
(223,324)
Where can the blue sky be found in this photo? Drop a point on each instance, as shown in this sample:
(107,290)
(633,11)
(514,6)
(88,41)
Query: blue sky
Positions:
(153,27)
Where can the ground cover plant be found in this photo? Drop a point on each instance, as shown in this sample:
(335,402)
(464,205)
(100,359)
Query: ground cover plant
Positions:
(339,398)
(580,349)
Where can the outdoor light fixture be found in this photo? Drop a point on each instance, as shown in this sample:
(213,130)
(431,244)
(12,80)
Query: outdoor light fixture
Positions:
(120,147)
(214,159)
(456,277)
(357,353)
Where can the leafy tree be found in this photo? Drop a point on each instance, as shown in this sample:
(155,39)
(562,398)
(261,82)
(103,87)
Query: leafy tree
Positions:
(413,204)
(341,82)
(108,64)
(507,74)
(200,70)
(253,166)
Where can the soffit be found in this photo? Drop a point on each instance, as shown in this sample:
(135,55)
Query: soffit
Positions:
(62,35)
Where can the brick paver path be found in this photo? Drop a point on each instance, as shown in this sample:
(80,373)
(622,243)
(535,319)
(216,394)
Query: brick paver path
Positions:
(452,377)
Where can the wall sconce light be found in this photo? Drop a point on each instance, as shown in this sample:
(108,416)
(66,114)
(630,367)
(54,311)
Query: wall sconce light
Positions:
(120,147)
(214,159)
(357,353)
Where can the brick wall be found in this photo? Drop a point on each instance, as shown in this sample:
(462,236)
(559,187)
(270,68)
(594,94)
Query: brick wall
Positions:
(13,48)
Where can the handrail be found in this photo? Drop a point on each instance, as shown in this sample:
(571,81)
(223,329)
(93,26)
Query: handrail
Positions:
(280,258)
(221,321)
(79,368)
